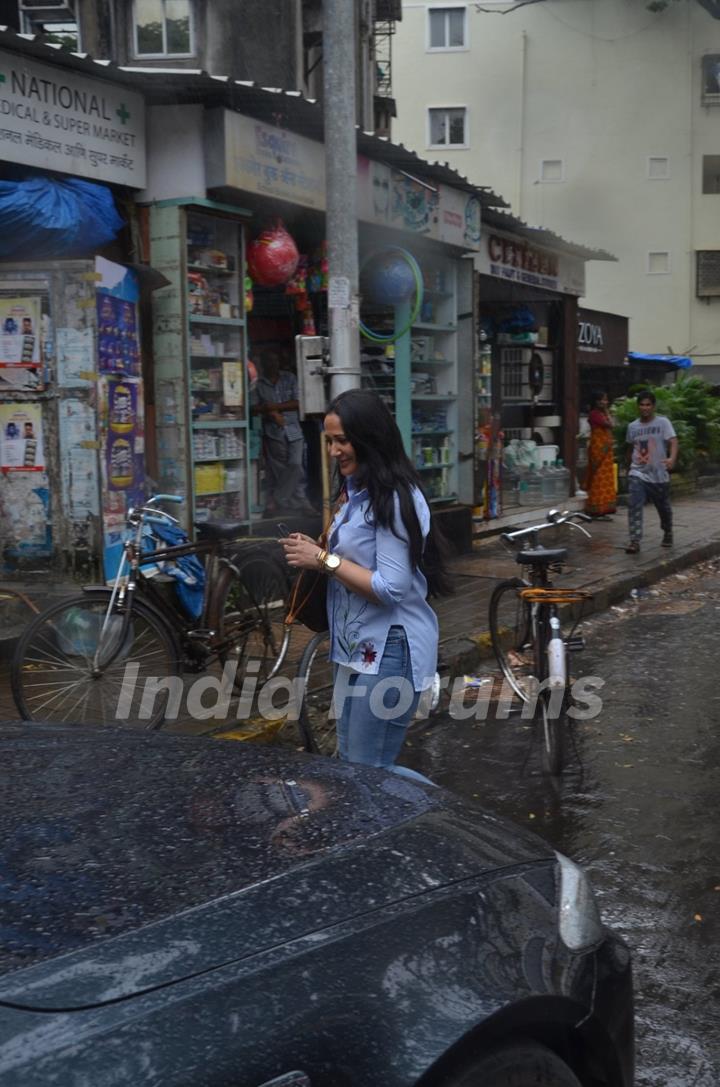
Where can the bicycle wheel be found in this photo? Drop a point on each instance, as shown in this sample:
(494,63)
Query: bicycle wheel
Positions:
(54,677)
(317,726)
(249,616)
(511,636)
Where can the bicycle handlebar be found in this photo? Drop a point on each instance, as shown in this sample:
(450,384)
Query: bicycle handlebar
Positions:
(554,518)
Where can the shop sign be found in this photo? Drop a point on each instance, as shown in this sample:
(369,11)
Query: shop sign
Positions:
(515,259)
(590,337)
(248,155)
(54,119)
(602,338)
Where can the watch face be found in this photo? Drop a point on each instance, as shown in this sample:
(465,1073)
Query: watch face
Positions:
(333,561)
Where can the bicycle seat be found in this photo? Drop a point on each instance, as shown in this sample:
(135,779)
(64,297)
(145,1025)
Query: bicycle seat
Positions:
(542,556)
(220,530)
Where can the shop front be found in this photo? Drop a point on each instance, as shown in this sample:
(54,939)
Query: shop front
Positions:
(72,436)
(526,386)
(231,308)
(602,355)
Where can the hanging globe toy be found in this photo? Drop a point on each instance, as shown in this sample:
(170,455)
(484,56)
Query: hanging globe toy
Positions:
(389,278)
(392,277)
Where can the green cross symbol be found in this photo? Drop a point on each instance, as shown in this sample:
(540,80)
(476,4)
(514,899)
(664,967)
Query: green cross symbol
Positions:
(123,113)
(2,78)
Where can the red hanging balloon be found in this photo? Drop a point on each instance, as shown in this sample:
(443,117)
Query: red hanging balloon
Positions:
(272,257)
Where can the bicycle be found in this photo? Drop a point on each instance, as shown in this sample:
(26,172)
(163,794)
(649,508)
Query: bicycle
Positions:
(526,630)
(85,658)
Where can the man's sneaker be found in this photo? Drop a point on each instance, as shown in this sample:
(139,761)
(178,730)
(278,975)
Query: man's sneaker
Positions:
(667,540)
(632,548)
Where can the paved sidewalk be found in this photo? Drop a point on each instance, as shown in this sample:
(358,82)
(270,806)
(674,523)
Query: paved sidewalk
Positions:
(599,565)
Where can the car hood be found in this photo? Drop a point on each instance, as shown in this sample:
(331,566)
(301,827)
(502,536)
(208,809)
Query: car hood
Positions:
(130,861)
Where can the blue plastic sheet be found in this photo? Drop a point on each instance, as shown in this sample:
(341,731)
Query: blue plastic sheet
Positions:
(43,218)
(681,361)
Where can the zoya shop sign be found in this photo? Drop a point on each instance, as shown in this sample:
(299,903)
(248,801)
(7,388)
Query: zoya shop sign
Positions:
(56,120)
(519,261)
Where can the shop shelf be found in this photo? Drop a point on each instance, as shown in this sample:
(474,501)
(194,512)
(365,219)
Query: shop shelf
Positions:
(213,271)
(199,319)
(207,494)
(225,357)
(432,362)
(215,424)
(434,467)
(443,498)
(423,327)
(213,460)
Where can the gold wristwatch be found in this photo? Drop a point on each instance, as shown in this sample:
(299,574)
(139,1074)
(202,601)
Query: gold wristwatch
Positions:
(329,563)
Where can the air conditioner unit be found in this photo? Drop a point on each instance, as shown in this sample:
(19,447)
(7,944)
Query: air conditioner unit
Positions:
(526,375)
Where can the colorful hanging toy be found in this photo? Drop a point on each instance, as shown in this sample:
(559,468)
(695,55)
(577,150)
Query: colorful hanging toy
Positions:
(272,257)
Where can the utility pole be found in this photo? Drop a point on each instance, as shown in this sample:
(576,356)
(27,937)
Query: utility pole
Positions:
(339,52)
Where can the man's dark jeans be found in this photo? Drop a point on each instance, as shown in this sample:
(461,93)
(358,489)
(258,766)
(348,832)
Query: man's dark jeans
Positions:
(640,492)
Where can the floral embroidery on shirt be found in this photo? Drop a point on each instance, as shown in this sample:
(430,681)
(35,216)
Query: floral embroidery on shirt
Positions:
(369,652)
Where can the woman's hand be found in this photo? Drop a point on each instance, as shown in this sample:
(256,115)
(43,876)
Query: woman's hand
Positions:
(301,551)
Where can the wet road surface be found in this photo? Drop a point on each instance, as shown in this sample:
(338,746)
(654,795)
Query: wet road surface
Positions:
(639,806)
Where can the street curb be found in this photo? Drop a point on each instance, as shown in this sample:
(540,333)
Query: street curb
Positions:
(460,655)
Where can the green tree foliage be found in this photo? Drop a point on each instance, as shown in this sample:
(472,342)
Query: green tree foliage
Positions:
(695,414)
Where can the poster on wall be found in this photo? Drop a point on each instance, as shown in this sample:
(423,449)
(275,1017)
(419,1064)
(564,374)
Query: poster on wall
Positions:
(20,337)
(75,357)
(21,438)
(123,459)
(233,380)
(117,295)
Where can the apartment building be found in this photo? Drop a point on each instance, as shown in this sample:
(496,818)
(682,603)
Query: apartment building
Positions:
(276,43)
(599,119)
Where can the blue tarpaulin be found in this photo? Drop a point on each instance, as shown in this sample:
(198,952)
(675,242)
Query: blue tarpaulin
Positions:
(681,361)
(43,218)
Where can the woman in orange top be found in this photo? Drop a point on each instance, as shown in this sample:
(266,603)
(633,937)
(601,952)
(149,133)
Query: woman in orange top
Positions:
(600,483)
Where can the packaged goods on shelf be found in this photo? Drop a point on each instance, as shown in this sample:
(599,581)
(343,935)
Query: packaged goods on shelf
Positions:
(209,478)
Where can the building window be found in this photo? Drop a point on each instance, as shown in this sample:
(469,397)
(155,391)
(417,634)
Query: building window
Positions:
(448,127)
(163,28)
(552,170)
(56,21)
(711,174)
(658,263)
(711,78)
(658,169)
(708,273)
(447,28)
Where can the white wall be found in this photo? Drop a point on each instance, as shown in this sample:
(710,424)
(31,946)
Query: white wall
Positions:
(603,85)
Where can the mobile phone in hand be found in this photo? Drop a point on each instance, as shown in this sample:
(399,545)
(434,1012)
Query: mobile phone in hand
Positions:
(282,530)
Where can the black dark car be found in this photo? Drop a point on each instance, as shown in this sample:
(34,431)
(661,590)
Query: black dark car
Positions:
(183,911)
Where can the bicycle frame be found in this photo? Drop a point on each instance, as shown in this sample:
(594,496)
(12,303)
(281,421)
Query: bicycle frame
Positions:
(129,572)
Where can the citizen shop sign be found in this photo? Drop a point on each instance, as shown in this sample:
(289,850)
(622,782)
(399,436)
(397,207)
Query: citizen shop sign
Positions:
(518,261)
(57,120)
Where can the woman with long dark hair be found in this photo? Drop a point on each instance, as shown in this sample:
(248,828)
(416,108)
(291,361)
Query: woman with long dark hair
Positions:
(384,558)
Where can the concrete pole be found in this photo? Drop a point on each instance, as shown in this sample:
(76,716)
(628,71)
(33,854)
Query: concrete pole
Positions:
(339,51)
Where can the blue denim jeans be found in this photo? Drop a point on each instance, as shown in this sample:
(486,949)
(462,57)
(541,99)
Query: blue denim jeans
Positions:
(640,492)
(373,712)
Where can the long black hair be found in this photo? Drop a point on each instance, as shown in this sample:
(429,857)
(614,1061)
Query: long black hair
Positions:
(385,469)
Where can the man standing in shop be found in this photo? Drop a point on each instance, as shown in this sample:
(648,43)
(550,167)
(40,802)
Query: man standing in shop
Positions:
(276,401)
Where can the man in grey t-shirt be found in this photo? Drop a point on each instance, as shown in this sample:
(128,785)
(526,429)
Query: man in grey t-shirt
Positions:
(652,452)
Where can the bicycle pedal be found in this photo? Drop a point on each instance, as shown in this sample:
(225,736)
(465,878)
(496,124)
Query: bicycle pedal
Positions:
(200,635)
(575,645)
